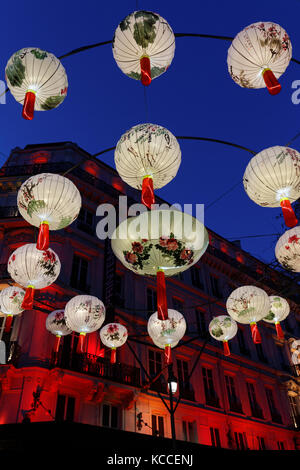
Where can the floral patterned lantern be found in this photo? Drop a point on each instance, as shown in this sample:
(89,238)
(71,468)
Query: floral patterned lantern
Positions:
(279,310)
(48,201)
(249,304)
(167,332)
(147,157)
(287,249)
(160,243)
(272,179)
(33,269)
(84,314)
(56,324)
(36,79)
(259,55)
(113,335)
(143,46)
(11,299)
(223,328)
(295,351)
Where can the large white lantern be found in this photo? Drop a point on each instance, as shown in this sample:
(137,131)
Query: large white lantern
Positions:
(160,243)
(143,46)
(147,157)
(279,310)
(295,351)
(33,269)
(259,55)
(11,299)
(48,201)
(249,304)
(113,335)
(84,314)
(287,250)
(167,332)
(223,328)
(36,79)
(56,324)
(272,179)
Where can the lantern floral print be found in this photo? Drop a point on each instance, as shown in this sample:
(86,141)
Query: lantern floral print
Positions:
(29,266)
(56,323)
(11,299)
(143,33)
(84,313)
(113,335)
(287,250)
(32,69)
(167,332)
(248,304)
(222,328)
(279,309)
(258,47)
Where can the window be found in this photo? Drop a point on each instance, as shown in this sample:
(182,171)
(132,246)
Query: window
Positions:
(151,301)
(155,362)
(215,437)
(189,431)
(240,440)
(196,277)
(183,373)
(201,323)
(260,353)
(210,395)
(68,357)
(255,409)
(85,221)
(276,418)
(65,407)
(294,410)
(241,341)
(215,286)
(234,403)
(282,358)
(261,443)
(79,273)
(280,445)
(157,426)
(110,416)
(177,304)
(119,290)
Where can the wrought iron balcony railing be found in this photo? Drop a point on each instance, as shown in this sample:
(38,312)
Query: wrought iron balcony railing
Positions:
(98,367)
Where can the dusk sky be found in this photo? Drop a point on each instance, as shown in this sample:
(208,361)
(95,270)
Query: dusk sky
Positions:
(195,97)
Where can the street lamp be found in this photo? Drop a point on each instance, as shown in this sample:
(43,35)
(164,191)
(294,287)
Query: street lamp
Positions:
(172,388)
(172,382)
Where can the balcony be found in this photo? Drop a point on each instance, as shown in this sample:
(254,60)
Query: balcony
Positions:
(212,400)
(98,367)
(159,386)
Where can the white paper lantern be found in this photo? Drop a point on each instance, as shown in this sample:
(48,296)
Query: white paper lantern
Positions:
(84,314)
(48,201)
(56,324)
(167,332)
(143,46)
(295,352)
(223,328)
(279,310)
(113,335)
(33,269)
(272,179)
(11,299)
(249,304)
(147,157)
(259,55)
(160,243)
(287,250)
(36,79)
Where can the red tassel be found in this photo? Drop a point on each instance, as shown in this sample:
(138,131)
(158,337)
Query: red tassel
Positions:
(113,356)
(28,106)
(27,303)
(255,333)
(56,343)
(8,322)
(162,306)
(145,70)
(288,213)
(101,352)
(43,238)
(271,82)
(80,343)
(168,354)
(279,331)
(226,348)
(148,197)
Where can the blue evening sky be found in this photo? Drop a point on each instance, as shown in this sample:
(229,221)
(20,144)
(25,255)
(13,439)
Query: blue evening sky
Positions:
(196,97)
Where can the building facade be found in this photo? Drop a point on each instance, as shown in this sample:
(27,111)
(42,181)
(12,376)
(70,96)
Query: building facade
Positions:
(249,400)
